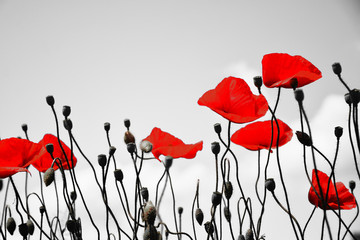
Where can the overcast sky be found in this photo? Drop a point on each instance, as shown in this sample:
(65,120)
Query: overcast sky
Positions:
(150,61)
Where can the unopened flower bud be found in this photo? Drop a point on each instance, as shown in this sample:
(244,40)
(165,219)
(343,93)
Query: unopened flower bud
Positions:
(347,98)
(352,185)
(249,235)
(50,100)
(270,184)
(228,190)
(144,193)
(180,210)
(71,225)
(102,160)
(216,198)
(217,128)
(149,213)
(49,176)
(227,213)
(30,226)
(209,228)
(146,146)
(241,237)
(215,148)
(24,127)
(10,225)
(258,81)
(131,147)
(338,131)
(68,125)
(294,83)
(299,95)
(23,230)
(127,123)
(168,162)
(150,233)
(112,150)
(42,209)
(336,67)
(73,196)
(107,126)
(355,96)
(49,148)
(119,176)
(303,138)
(129,137)
(199,216)
(66,111)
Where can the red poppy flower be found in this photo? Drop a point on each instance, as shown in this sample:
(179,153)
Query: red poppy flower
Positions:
(233,99)
(15,155)
(166,144)
(43,159)
(257,135)
(346,199)
(279,68)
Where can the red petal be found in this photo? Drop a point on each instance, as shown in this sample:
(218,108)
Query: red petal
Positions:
(9,171)
(43,158)
(257,135)
(233,99)
(279,68)
(168,145)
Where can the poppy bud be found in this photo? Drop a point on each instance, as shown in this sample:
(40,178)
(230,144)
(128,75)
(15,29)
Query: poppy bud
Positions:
(131,147)
(228,190)
(227,213)
(180,210)
(270,184)
(347,98)
(24,127)
(68,125)
(146,146)
(144,193)
(149,213)
(199,216)
(127,123)
(73,195)
(168,161)
(112,150)
(10,225)
(209,228)
(241,237)
(66,111)
(249,235)
(150,233)
(216,198)
(215,148)
(336,67)
(30,226)
(49,148)
(303,138)
(49,176)
(42,209)
(107,126)
(355,96)
(50,100)
(71,225)
(217,128)
(119,176)
(338,131)
(352,185)
(1,184)
(294,83)
(129,137)
(258,81)
(102,160)
(299,95)
(23,230)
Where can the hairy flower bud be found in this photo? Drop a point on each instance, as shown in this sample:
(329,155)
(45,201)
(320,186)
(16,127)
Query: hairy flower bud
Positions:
(149,213)
(336,67)
(146,146)
(49,176)
(217,128)
(144,193)
(352,185)
(180,210)
(10,225)
(209,228)
(68,125)
(119,176)
(30,226)
(303,138)
(294,83)
(71,225)
(107,126)
(23,230)
(270,184)
(216,198)
(228,190)
(227,213)
(338,131)
(249,235)
(215,148)
(199,216)
(102,160)
(129,137)
(258,81)
(299,95)
(66,111)
(24,127)
(127,123)
(50,100)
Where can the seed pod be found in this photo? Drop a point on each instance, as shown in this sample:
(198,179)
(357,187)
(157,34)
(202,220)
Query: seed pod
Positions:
(146,146)
(338,131)
(215,148)
(24,127)
(102,160)
(249,235)
(10,225)
(227,213)
(228,190)
(71,225)
(258,81)
(355,96)
(107,126)
(73,195)
(336,67)
(199,216)
(50,100)
(352,185)
(131,147)
(119,176)
(30,226)
(66,111)
(209,228)
(270,184)
(49,176)
(216,198)
(217,128)
(23,230)
(112,150)
(68,125)
(168,161)
(49,148)
(144,193)
(299,95)
(149,213)
(42,209)
(303,138)
(347,98)
(180,210)
(127,123)
(129,137)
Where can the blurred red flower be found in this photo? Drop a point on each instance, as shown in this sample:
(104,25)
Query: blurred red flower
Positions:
(233,99)
(43,159)
(15,155)
(346,199)
(166,144)
(279,68)
(257,135)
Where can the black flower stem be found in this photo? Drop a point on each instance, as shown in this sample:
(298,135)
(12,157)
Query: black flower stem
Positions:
(357,214)
(174,233)
(217,173)
(193,206)
(105,201)
(308,221)
(137,194)
(241,219)
(2,234)
(108,140)
(157,204)
(343,82)
(123,205)
(4,205)
(356,125)
(173,197)
(352,143)
(257,179)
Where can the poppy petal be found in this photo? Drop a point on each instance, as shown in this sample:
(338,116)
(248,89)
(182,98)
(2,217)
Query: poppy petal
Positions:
(279,68)
(9,171)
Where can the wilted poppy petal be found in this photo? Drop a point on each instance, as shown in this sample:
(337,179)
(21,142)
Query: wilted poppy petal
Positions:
(346,199)
(9,171)
(168,145)
(279,68)
(257,135)
(233,99)
(43,159)
(15,152)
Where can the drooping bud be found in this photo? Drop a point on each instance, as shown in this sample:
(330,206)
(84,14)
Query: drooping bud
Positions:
(347,98)
(149,213)
(352,185)
(227,213)
(30,227)
(338,131)
(50,100)
(112,150)
(303,138)
(127,123)
(23,230)
(24,127)
(217,128)
(215,148)
(168,162)
(144,193)
(270,184)
(119,176)
(336,67)
(10,225)
(294,83)
(102,160)
(146,146)
(71,225)
(249,235)
(209,228)
(131,147)
(180,210)
(49,148)
(258,82)
(355,96)
(228,190)
(299,95)
(66,111)
(216,198)
(129,137)
(199,216)
(68,125)
(49,176)
(150,233)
